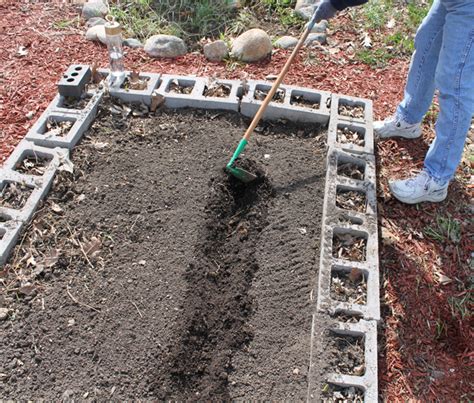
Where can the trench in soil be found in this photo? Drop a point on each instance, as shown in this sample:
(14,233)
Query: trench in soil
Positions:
(157,275)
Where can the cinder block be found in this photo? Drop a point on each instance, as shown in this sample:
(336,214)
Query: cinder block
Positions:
(340,100)
(9,233)
(364,130)
(137,96)
(196,97)
(74,80)
(362,224)
(369,381)
(286,109)
(81,122)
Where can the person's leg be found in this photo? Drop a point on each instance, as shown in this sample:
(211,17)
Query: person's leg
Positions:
(420,86)
(455,82)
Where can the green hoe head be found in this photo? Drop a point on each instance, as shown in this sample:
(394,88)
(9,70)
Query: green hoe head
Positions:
(239,173)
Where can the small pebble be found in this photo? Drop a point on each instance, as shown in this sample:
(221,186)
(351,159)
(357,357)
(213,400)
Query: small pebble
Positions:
(3,313)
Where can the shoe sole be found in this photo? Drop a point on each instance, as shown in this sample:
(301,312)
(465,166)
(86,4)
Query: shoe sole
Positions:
(409,136)
(426,198)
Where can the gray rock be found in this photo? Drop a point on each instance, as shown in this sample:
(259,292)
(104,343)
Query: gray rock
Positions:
(306,12)
(216,51)
(165,46)
(92,22)
(132,43)
(94,8)
(97,33)
(320,28)
(252,46)
(312,38)
(304,3)
(3,313)
(286,42)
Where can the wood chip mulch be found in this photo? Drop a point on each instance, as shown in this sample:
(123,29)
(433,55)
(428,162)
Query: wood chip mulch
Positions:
(426,338)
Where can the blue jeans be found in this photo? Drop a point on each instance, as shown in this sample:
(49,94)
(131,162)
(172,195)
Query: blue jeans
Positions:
(443,60)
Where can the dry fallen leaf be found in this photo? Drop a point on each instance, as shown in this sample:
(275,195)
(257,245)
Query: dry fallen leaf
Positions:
(92,247)
(157,100)
(355,275)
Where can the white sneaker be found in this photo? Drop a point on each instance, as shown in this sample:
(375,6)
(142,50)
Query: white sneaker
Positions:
(418,189)
(395,126)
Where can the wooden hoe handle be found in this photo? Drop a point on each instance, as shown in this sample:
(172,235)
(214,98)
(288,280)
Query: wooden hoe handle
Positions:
(276,84)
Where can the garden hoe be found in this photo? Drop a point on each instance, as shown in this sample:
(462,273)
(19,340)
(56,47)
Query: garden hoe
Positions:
(240,173)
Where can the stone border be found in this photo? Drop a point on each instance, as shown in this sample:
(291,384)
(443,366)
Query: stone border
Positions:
(241,99)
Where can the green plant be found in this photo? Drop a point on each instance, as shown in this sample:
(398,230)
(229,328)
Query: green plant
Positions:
(187,19)
(374,57)
(441,328)
(402,42)
(376,13)
(446,229)
(65,24)
(244,20)
(417,10)
(461,306)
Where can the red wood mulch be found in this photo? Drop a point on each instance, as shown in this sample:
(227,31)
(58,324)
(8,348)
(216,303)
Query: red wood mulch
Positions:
(426,347)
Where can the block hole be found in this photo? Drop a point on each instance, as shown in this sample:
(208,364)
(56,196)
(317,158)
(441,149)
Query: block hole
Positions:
(342,394)
(351,199)
(352,109)
(14,194)
(73,102)
(135,82)
(347,317)
(32,163)
(57,126)
(2,233)
(305,99)
(261,91)
(347,219)
(346,353)
(349,245)
(217,90)
(349,285)
(350,134)
(4,218)
(74,74)
(180,86)
(70,80)
(78,68)
(351,168)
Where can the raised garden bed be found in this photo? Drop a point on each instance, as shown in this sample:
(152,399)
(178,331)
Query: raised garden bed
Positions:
(158,276)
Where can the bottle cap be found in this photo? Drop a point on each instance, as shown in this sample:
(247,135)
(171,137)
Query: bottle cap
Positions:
(112,27)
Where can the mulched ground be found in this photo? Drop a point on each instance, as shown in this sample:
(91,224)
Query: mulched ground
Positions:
(426,341)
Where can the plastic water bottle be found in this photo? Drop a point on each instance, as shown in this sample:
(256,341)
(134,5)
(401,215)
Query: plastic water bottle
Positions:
(113,32)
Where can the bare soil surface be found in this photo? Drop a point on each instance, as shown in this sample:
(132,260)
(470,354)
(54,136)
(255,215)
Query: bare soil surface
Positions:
(150,273)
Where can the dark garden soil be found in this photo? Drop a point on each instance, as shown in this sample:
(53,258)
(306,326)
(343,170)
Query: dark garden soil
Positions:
(150,273)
